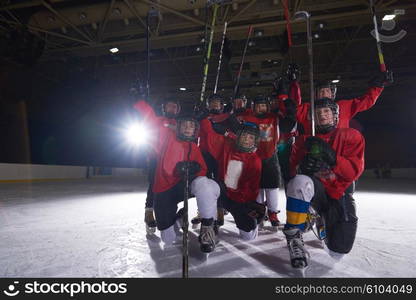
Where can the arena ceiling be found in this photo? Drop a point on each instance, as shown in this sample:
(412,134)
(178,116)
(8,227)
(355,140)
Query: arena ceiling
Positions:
(77,36)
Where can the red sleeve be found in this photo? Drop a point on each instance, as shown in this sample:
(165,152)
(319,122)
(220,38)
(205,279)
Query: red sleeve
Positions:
(213,142)
(353,106)
(294,92)
(145,110)
(350,162)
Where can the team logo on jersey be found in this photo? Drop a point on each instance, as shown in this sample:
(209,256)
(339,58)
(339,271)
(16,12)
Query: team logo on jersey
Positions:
(266,132)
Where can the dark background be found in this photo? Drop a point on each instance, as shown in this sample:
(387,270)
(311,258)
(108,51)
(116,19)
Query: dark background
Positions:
(64,102)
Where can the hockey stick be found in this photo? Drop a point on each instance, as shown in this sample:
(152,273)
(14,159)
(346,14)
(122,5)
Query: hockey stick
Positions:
(383,68)
(220,58)
(380,52)
(185,222)
(250,30)
(208,55)
(304,15)
(148,57)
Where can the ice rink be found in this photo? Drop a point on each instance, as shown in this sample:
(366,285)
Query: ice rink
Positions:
(95,228)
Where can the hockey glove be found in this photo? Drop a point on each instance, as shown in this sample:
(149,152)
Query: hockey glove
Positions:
(310,165)
(201,114)
(193,168)
(234,123)
(320,149)
(219,128)
(381,79)
(281,86)
(255,210)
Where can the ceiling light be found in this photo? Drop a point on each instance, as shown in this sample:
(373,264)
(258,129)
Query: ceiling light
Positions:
(388,17)
(258,32)
(114,50)
(182,89)
(316,36)
(335,81)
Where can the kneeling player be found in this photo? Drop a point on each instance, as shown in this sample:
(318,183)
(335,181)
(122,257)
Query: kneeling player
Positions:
(328,164)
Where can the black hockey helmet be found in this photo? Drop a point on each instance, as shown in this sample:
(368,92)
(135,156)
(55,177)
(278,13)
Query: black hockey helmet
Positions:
(215,98)
(168,107)
(239,103)
(327,84)
(330,103)
(243,142)
(261,99)
(187,128)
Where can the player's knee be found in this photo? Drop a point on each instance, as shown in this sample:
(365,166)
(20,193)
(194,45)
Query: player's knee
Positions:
(203,184)
(301,187)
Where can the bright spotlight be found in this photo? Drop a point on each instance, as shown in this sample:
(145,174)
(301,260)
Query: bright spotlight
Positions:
(114,50)
(182,89)
(335,81)
(137,134)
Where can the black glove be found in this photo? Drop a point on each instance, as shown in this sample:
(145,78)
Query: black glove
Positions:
(201,113)
(310,164)
(233,123)
(255,210)
(193,166)
(290,108)
(320,149)
(281,86)
(219,128)
(381,79)
(293,72)
(137,91)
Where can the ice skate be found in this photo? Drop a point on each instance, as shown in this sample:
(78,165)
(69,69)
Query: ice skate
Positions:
(220,217)
(196,221)
(274,221)
(150,221)
(315,223)
(207,237)
(298,255)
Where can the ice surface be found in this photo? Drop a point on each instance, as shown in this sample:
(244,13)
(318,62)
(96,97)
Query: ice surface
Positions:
(95,228)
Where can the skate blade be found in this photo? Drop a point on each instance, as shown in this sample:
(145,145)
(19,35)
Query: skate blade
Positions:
(150,230)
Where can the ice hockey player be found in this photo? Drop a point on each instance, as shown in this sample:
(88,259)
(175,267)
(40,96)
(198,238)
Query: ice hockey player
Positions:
(328,163)
(239,169)
(268,124)
(177,152)
(160,124)
(213,114)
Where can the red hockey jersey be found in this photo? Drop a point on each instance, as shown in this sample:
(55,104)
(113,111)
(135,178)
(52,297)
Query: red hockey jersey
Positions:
(269,133)
(171,152)
(349,146)
(240,171)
